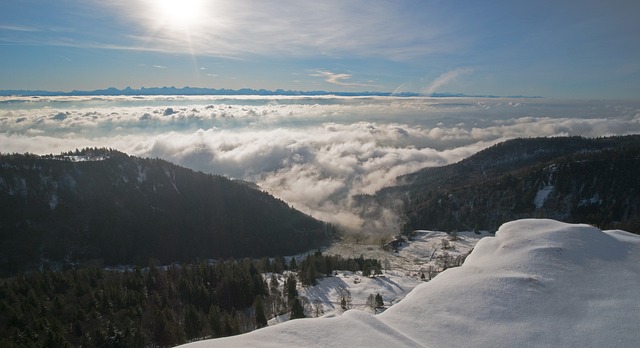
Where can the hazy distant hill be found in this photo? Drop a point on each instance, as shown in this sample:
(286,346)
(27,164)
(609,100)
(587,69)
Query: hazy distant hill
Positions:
(224,91)
(572,179)
(103,204)
(191,91)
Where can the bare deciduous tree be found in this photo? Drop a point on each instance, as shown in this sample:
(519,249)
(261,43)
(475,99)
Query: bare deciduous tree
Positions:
(344,298)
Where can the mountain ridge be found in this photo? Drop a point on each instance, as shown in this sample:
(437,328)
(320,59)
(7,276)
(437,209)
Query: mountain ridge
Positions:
(572,179)
(104,204)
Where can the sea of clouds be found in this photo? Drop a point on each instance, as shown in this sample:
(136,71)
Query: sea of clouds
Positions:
(315,153)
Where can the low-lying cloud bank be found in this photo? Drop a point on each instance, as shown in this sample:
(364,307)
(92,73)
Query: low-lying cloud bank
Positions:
(316,153)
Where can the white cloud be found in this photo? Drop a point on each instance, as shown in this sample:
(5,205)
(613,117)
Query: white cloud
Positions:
(445,79)
(18,28)
(339,79)
(317,153)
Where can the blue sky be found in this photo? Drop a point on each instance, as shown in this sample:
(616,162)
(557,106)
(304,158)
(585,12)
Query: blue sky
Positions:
(564,49)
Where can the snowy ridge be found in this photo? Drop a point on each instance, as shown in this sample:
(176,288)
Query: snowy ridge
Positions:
(536,283)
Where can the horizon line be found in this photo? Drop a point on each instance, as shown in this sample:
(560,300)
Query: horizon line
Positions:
(188,90)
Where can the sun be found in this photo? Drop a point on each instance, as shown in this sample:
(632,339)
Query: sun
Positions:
(179,14)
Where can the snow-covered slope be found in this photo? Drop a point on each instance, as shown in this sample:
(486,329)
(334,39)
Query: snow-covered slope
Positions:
(536,283)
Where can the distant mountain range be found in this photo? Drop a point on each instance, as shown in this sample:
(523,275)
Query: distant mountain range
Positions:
(112,91)
(103,204)
(572,179)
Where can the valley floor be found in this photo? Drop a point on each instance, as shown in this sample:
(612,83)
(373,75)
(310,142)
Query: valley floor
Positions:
(413,263)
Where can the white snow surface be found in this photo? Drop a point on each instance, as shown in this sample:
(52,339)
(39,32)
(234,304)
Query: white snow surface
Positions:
(544,192)
(537,283)
(542,195)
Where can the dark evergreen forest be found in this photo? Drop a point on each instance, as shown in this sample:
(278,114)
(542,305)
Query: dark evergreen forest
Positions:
(159,306)
(100,204)
(592,181)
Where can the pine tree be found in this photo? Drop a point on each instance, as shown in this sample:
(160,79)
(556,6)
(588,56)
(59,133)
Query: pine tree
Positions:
(297,311)
(138,339)
(192,323)
(309,275)
(290,286)
(273,283)
(293,265)
(366,272)
(379,301)
(258,306)
(215,321)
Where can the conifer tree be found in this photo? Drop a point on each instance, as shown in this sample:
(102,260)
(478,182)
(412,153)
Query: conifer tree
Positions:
(309,275)
(291,287)
(379,301)
(297,311)
(258,307)
(293,265)
(215,321)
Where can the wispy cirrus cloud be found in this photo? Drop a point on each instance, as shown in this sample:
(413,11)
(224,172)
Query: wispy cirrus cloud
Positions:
(340,79)
(445,79)
(18,28)
(293,28)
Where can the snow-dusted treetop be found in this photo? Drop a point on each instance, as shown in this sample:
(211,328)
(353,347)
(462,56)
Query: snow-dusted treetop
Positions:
(536,283)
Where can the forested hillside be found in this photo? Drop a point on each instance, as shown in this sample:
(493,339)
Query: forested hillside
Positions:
(571,179)
(103,204)
(159,306)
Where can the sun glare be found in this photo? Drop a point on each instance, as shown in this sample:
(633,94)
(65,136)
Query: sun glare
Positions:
(179,14)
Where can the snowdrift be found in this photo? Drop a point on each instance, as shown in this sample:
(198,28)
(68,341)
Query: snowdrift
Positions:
(536,283)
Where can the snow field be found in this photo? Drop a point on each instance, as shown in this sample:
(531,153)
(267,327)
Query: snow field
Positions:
(537,283)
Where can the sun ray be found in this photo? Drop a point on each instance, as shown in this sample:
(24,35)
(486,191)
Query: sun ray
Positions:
(177,15)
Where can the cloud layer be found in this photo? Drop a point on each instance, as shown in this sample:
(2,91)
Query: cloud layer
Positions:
(316,153)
